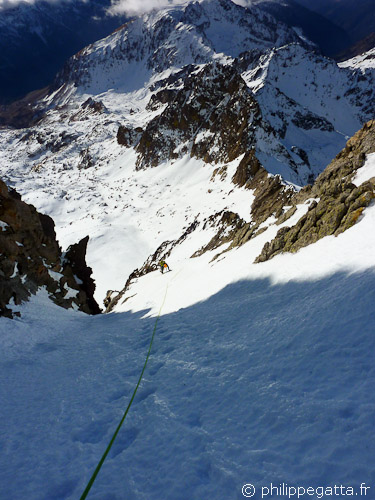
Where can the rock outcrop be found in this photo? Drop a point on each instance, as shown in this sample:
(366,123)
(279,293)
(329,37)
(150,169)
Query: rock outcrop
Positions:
(209,113)
(335,204)
(340,204)
(30,258)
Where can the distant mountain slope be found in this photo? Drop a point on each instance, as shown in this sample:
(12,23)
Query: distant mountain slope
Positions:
(281,220)
(37,38)
(364,62)
(356,17)
(329,37)
(364,45)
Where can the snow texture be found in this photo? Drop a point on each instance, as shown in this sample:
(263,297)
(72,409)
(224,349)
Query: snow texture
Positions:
(259,373)
(363,61)
(268,378)
(366,172)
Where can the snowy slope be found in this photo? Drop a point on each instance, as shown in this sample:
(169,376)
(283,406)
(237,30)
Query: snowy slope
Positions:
(312,104)
(268,380)
(260,373)
(71,166)
(365,61)
(171,38)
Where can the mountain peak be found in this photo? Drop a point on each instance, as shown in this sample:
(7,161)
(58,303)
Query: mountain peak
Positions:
(172,38)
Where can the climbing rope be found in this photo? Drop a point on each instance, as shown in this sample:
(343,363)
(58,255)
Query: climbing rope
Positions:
(98,467)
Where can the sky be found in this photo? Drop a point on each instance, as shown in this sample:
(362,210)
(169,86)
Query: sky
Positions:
(134,7)
(130,7)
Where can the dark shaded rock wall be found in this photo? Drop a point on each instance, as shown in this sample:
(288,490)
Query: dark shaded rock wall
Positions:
(30,258)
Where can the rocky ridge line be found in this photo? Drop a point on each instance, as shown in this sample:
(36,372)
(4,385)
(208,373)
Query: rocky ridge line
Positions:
(340,204)
(335,205)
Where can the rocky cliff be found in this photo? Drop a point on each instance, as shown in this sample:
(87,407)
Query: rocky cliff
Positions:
(339,203)
(30,258)
(334,203)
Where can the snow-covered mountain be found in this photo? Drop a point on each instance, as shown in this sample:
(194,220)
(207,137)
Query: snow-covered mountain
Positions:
(327,35)
(192,90)
(365,62)
(187,135)
(37,38)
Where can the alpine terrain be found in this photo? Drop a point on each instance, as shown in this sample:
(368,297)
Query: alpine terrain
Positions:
(218,139)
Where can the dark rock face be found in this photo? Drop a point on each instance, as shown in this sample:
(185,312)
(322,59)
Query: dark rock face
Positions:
(340,203)
(75,258)
(31,258)
(213,116)
(228,225)
(127,136)
(85,159)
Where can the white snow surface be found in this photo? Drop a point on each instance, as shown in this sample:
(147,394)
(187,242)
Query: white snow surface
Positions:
(363,61)
(129,213)
(366,172)
(259,374)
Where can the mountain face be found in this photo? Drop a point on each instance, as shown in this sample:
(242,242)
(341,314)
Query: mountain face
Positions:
(31,258)
(331,206)
(365,62)
(206,115)
(37,38)
(330,38)
(172,38)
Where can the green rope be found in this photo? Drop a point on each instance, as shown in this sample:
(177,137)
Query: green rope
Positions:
(98,467)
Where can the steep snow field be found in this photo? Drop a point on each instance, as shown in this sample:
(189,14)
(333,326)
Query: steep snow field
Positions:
(259,373)
(128,213)
(265,375)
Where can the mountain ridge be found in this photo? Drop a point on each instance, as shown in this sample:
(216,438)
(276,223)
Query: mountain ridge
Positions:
(94,160)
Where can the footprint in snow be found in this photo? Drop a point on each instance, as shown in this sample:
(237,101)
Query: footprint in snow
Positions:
(45,347)
(92,433)
(168,350)
(62,490)
(145,393)
(124,439)
(116,395)
(153,370)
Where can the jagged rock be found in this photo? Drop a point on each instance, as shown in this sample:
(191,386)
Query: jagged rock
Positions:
(127,136)
(228,223)
(77,271)
(31,258)
(310,121)
(95,106)
(246,170)
(85,159)
(214,110)
(271,195)
(87,108)
(340,202)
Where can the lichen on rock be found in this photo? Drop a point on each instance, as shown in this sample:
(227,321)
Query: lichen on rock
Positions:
(340,204)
